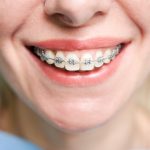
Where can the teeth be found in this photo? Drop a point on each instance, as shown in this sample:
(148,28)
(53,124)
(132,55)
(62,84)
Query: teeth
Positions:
(107,55)
(72,62)
(37,51)
(99,59)
(87,62)
(42,56)
(50,57)
(115,52)
(113,55)
(59,60)
(117,49)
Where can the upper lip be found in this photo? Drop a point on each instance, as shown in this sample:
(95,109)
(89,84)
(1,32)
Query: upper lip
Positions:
(73,44)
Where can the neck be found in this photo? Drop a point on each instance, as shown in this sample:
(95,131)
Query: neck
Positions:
(116,132)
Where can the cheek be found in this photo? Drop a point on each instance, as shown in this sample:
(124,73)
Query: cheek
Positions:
(139,12)
(14,14)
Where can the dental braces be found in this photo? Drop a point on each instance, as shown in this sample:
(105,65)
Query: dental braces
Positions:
(41,53)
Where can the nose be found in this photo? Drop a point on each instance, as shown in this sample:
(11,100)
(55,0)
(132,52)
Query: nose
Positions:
(76,12)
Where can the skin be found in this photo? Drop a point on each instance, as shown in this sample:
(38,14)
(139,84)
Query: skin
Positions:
(93,112)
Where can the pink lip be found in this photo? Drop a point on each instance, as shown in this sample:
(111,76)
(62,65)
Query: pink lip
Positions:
(80,79)
(68,45)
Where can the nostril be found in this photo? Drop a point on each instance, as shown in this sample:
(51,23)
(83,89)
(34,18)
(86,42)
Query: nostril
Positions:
(63,18)
(99,13)
(74,21)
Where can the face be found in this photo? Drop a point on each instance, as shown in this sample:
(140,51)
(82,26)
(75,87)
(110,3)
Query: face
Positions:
(96,80)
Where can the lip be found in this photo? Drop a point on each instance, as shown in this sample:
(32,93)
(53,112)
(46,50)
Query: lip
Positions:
(71,44)
(80,79)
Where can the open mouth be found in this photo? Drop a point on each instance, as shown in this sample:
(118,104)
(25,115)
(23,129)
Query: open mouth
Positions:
(87,66)
(76,61)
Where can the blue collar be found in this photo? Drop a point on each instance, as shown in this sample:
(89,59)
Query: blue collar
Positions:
(11,142)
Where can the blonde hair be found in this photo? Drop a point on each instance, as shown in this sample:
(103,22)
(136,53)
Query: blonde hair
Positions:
(8,100)
(6,94)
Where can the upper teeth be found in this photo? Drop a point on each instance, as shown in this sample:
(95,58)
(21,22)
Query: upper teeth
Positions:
(72,62)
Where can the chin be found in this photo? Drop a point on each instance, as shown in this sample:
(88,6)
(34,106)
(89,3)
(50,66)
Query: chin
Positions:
(77,120)
(70,125)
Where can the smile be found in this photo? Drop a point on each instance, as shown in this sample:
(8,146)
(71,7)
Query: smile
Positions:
(78,63)
(71,61)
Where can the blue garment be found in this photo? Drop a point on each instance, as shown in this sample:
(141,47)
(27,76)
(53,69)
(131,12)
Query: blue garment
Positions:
(11,142)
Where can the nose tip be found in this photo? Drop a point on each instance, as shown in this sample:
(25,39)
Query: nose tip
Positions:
(71,20)
(75,12)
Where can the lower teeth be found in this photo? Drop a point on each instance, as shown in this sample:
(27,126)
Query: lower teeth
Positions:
(72,62)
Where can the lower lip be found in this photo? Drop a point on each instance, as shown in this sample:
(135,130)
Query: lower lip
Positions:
(81,79)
